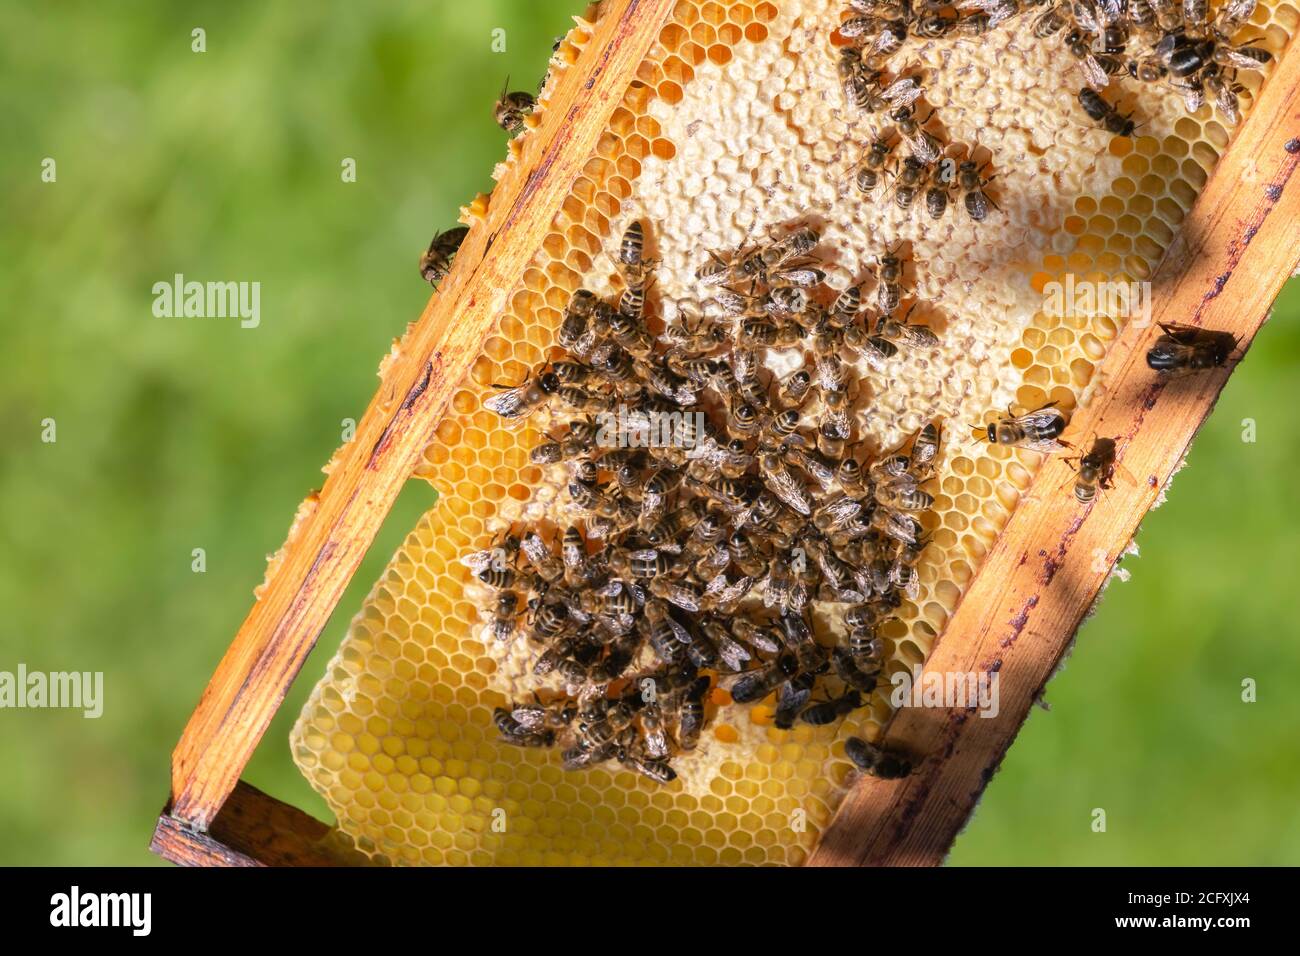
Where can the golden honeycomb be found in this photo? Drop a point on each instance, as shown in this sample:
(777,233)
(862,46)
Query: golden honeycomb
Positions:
(735,123)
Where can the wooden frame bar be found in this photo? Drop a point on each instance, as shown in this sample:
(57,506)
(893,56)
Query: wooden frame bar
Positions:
(1225,268)
(251,829)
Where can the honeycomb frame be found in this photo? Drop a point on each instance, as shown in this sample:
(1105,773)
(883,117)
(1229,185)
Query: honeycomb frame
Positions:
(398,734)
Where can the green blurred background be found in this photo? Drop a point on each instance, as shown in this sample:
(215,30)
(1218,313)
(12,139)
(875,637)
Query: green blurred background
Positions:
(175,434)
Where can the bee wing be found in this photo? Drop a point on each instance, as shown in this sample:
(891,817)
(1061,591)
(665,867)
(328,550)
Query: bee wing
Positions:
(535,549)
(734,591)
(787,487)
(1110,11)
(790,697)
(839,424)
(801,276)
(1236,11)
(874,355)
(859,27)
(917,336)
(734,655)
(1044,445)
(530,718)
(902,92)
(923,147)
(1085,16)
(744,363)
(508,404)
(846,597)
(1042,418)
(817,469)
(841,509)
(1093,74)
(478,560)
(648,554)
(830,371)
(612,589)
(1239,60)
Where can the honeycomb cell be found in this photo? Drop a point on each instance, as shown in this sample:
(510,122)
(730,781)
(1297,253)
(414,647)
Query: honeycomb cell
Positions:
(398,735)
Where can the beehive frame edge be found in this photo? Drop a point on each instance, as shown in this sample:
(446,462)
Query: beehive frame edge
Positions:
(1237,230)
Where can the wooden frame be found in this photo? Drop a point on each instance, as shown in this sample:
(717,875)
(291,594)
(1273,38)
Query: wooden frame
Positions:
(1224,270)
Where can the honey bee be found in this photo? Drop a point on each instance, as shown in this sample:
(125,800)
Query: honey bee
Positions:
(1231,17)
(924,450)
(503,615)
(933,26)
(1224,89)
(1053,20)
(513,732)
(768,334)
(511,108)
(499,556)
(938,190)
(784,483)
(795,387)
(971,181)
(902,572)
(866,176)
(1096,469)
(901,331)
(435,262)
(1036,430)
(780,587)
(876,351)
(520,401)
(888,291)
(903,494)
(548,567)
(576,316)
(834,417)
(889,40)
(833,709)
(1185,348)
(911,175)
(636,759)
(754,685)
(1097,68)
(998,11)
(853,80)
(690,714)
(924,147)
(654,731)
(791,697)
(849,672)
(582,755)
(875,760)
(975,25)
(1104,113)
(549,619)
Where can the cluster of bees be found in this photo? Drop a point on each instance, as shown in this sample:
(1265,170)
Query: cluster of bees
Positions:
(876,30)
(697,562)
(1152,41)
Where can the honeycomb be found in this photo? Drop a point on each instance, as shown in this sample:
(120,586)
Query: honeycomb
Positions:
(735,123)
